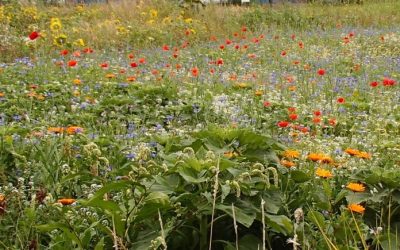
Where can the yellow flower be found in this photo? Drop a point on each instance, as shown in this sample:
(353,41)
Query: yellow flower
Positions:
(77,81)
(356,208)
(55,24)
(153,13)
(79,42)
(291,153)
(188,20)
(323,173)
(258,93)
(230,154)
(60,40)
(355,187)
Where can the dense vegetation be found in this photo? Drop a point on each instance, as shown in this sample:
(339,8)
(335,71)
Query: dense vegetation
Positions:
(148,126)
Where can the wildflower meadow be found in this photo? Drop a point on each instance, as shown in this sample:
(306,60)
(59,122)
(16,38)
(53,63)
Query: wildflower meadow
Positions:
(160,125)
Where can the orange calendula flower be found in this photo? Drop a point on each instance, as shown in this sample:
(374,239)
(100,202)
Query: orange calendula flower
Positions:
(258,93)
(291,153)
(74,130)
(356,208)
(56,130)
(352,151)
(323,173)
(230,154)
(2,94)
(2,197)
(77,81)
(110,75)
(315,157)
(327,160)
(287,164)
(66,201)
(363,155)
(356,187)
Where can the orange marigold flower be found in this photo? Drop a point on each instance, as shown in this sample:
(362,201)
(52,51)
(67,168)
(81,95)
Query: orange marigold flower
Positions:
(77,81)
(288,164)
(2,94)
(74,130)
(2,197)
(356,208)
(230,154)
(363,155)
(315,157)
(110,75)
(66,201)
(258,92)
(291,153)
(326,159)
(356,187)
(352,151)
(323,173)
(56,130)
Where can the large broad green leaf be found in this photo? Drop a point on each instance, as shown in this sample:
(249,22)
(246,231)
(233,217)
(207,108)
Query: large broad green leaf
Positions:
(352,197)
(192,176)
(153,202)
(247,242)
(317,218)
(67,231)
(243,216)
(299,176)
(100,245)
(279,223)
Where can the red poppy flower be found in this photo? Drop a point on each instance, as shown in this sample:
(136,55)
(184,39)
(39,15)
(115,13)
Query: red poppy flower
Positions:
(165,47)
(88,50)
(222,46)
(388,81)
(104,65)
(175,55)
(72,63)
(321,72)
(283,53)
(340,100)
(33,35)
(195,72)
(293,36)
(64,52)
(244,29)
(237,46)
(332,121)
(142,60)
(134,64)
(131,56)
(266,104)
(293,117)
(212,71)
(317,113)
(220,61)
(283,124)
(187,32)
(292,109)
(316,120)
(374,84)
(301,45)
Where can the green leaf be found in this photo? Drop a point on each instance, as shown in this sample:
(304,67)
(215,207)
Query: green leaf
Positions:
(352,197)
(243,216)
(100,245)
(280,223)
(67,231)
(299,176)
(191,176)
(317,218)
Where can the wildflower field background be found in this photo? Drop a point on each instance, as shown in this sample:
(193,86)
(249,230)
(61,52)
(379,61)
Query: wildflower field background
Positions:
(149,125)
